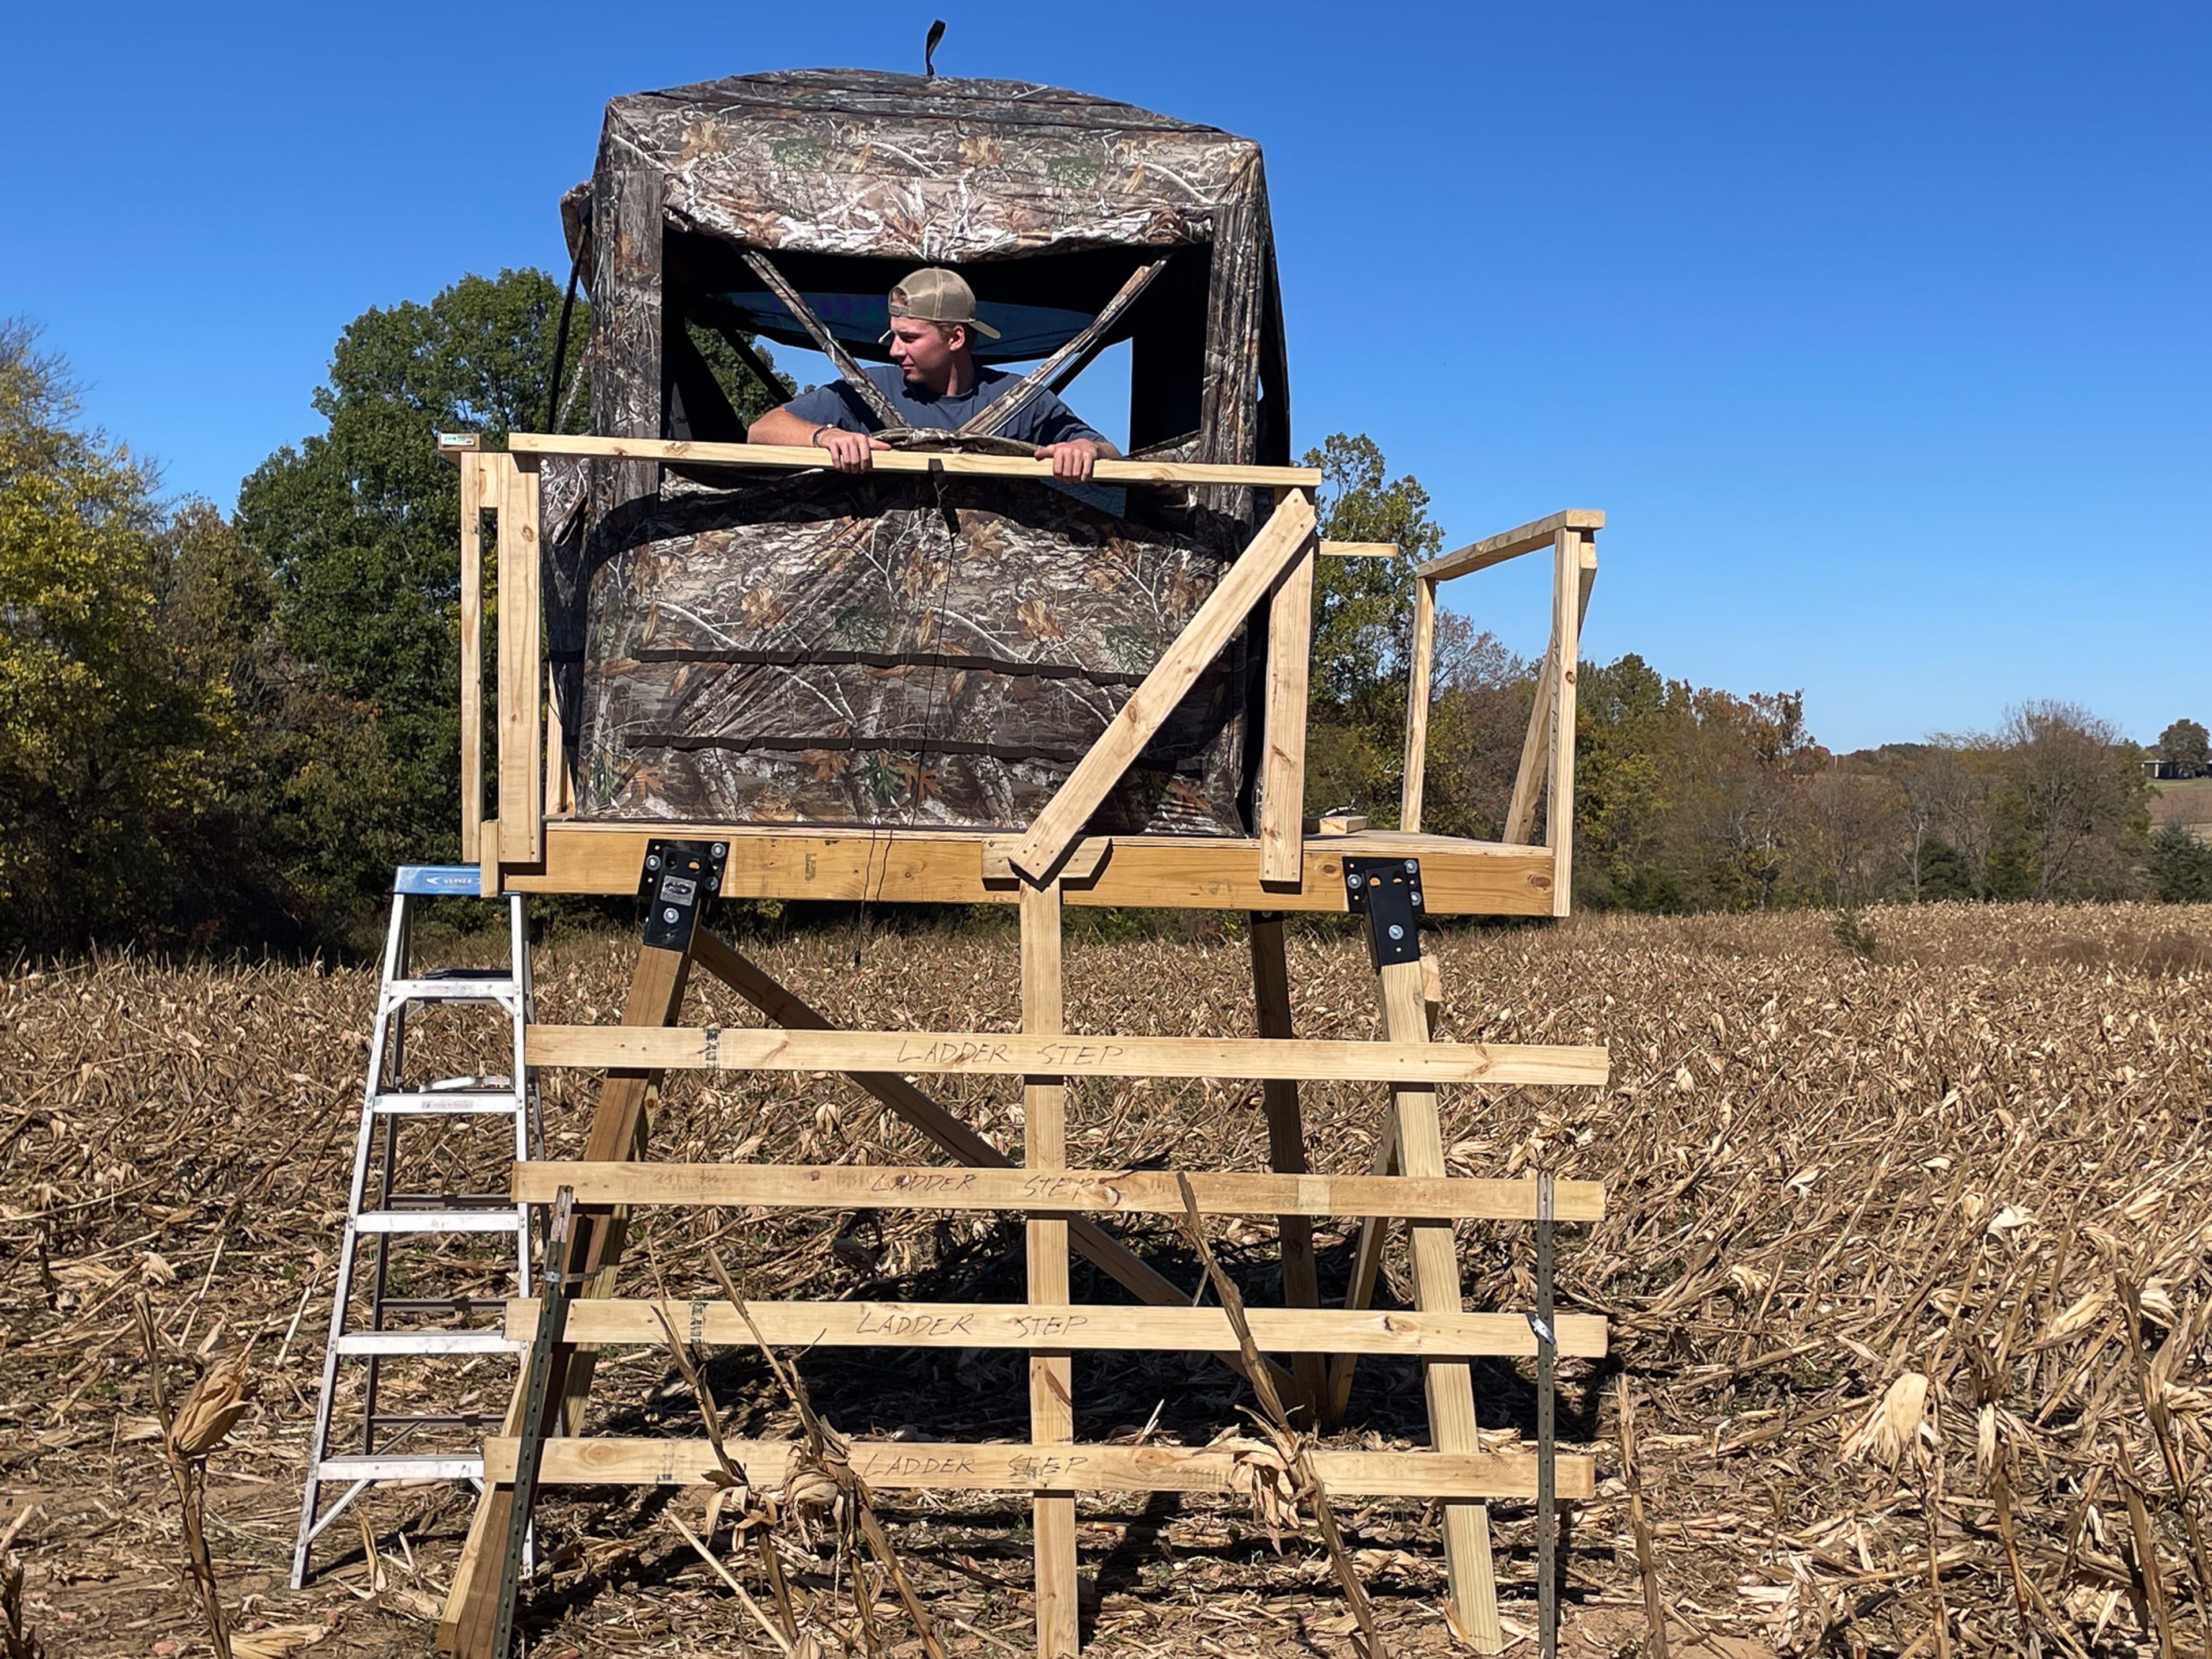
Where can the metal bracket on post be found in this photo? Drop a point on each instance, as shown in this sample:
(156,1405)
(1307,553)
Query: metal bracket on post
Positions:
(1388,892)
(678,878)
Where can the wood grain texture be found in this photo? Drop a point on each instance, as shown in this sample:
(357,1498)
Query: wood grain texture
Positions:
(1060,1326)
(521,658)
(1283,778)
(1447,1383)
(1419,672)
(1508,545)
(1566,624)
(943,1465)
(1003,1053)
(788,458)
(1052,1371)
(1291,1193)
(1458,877)
(472,469)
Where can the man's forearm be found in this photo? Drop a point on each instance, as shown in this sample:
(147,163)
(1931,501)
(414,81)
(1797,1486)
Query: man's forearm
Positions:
(781,426)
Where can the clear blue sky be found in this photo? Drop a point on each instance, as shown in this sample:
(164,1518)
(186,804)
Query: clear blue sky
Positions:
(1880,330)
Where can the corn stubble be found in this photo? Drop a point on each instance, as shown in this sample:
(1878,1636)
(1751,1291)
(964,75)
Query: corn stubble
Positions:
(1906,1255)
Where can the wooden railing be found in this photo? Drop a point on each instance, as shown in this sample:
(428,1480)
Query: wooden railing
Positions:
(532,781)
(1547,750)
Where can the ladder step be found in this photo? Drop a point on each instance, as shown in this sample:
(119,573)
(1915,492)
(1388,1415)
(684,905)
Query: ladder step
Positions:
(409,1342)
(442,1304)
(453,1100)
(486,988)
(436,1221)
(399,1468)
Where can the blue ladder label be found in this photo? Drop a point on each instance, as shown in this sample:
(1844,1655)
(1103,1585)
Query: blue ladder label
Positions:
(440,880)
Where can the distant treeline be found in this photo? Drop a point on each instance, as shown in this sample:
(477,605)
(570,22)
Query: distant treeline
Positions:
(222,732)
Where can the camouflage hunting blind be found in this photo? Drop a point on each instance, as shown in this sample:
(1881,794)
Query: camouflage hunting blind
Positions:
(908,650)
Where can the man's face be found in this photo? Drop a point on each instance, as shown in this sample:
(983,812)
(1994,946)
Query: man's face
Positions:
(923,349)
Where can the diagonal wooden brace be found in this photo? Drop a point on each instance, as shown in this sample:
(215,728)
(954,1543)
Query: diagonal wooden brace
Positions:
(1284,538)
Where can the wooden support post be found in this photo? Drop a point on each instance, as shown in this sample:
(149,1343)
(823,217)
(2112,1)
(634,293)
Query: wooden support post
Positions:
(617,1132)
(1286,1152)
(472,505)
(521,666)
(1052,1376)
(1567,629)
(1447,1383)
(1283,784)
(1418,674)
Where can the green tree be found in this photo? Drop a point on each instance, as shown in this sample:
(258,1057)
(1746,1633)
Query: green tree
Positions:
(2187,743)
(2181,866)
(357,526)
(1363,629)
(102,738)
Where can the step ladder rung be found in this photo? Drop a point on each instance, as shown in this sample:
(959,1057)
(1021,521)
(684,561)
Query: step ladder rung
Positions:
(450,990)
(422,1466)
(444,1304)
(436,1221)
(424,1342)
(446,1102)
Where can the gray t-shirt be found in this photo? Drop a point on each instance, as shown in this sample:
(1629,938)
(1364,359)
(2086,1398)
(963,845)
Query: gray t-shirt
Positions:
(1043,420)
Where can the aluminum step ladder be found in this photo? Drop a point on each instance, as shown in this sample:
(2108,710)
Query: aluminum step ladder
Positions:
(390,1220)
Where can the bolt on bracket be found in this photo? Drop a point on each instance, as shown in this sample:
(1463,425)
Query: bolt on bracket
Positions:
(1388,892)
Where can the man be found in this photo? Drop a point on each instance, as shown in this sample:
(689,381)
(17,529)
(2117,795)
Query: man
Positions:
(933,381)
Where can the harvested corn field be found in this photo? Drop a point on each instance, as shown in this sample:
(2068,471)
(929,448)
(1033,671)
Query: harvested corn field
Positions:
(1908,1259)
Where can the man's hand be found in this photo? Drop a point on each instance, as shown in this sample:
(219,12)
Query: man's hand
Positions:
(851,452)
(1075,459)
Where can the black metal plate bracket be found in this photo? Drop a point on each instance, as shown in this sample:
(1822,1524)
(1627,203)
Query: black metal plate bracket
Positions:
(678,877)
(1388,892)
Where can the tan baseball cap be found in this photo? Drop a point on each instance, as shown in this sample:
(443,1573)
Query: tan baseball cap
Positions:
(934,295)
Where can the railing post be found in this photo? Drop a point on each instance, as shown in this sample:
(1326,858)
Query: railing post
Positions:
(1417,703)
(521,654)
(1283,784)
(1566,633)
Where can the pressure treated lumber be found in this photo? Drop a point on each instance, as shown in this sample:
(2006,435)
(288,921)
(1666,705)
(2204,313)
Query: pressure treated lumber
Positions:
(1059,1326)
(917,867)
(946,1465)
(472,505)
(1287,536)
(1414,778)
(1117,1192)
(1508,545)
(1560,791)
(1286,1154)
(1005,1053)
(1359,550)
(787,458)
(1447,1383)
(1283,779)
(521,668)
(1052,1371)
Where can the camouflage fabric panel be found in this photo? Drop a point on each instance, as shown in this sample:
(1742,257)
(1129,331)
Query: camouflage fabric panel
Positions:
(873,652)
(854,161)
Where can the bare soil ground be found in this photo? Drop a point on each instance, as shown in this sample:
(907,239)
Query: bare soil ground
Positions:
(1831,1174)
